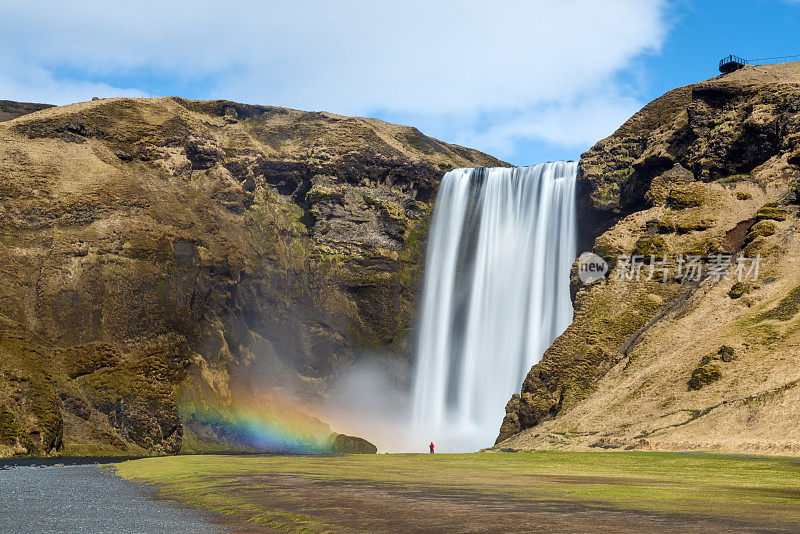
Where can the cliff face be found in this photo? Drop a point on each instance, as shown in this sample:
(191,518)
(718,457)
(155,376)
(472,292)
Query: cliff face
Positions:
(159,253)
(711,168)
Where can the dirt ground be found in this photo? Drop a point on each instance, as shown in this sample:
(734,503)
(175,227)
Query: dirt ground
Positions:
(542,492)
(342,506)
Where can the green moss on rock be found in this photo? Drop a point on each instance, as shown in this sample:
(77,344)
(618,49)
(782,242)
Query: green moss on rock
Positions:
(324,192)
(85,359)
(726,353)
(11,434)
(387,208)
(771,211)
(760,229)
(732,178)
(739,289)
(786,308)
(680,199)
(703,246)
(342,444)
(704,375)
(607,250)
(657,226)
(758,246)
(691,225)
(607,194)
(650,245)
(709,370)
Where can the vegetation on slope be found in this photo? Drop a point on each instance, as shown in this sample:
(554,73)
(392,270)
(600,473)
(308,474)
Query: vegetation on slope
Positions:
(707,169)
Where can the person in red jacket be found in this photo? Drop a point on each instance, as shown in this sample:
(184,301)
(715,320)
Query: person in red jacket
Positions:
(431,446)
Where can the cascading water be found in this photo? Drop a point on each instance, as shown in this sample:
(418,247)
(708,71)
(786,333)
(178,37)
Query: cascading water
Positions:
(495,295)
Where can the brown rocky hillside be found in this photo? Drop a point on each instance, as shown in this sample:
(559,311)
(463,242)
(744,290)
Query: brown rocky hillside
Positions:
(711,168)
(11,110)
(160,253)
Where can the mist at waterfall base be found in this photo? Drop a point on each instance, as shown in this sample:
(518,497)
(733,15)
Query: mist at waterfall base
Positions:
(372,400)
(495,295)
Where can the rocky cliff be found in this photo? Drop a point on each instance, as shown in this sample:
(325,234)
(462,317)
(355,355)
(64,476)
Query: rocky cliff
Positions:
(163,255)
(675,363)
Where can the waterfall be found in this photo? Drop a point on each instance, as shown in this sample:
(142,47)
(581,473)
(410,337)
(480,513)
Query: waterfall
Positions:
(495,295)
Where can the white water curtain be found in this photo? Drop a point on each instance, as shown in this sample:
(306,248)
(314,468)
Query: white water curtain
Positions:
(495,294)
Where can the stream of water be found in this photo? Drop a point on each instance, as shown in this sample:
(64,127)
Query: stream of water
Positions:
(495,295)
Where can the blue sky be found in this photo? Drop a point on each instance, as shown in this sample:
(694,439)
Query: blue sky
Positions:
(525,80)
(699,34)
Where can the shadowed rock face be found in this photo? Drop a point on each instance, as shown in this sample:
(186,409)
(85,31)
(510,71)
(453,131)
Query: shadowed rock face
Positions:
(707,168)
(159,253)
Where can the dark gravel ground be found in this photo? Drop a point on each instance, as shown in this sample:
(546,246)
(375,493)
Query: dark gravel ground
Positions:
(86,498)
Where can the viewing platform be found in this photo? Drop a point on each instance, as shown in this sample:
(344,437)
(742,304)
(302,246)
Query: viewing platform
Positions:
(733,63)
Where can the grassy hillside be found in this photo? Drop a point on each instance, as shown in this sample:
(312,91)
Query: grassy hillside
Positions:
(677,363)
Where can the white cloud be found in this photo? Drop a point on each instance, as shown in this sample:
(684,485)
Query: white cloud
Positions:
(503,70)
(32,83)
(574,123)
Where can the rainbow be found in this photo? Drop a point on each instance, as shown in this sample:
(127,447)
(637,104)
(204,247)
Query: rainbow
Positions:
(243,428)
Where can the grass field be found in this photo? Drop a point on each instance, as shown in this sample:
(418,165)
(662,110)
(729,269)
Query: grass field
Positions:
(565,491)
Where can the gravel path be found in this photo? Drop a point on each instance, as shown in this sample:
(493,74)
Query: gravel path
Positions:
(85,498)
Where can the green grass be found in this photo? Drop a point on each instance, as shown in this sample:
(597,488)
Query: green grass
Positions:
(671,483)
(786,308)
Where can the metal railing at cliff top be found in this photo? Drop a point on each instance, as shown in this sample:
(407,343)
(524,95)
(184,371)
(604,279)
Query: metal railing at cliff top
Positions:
(770,60)
(736,60)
